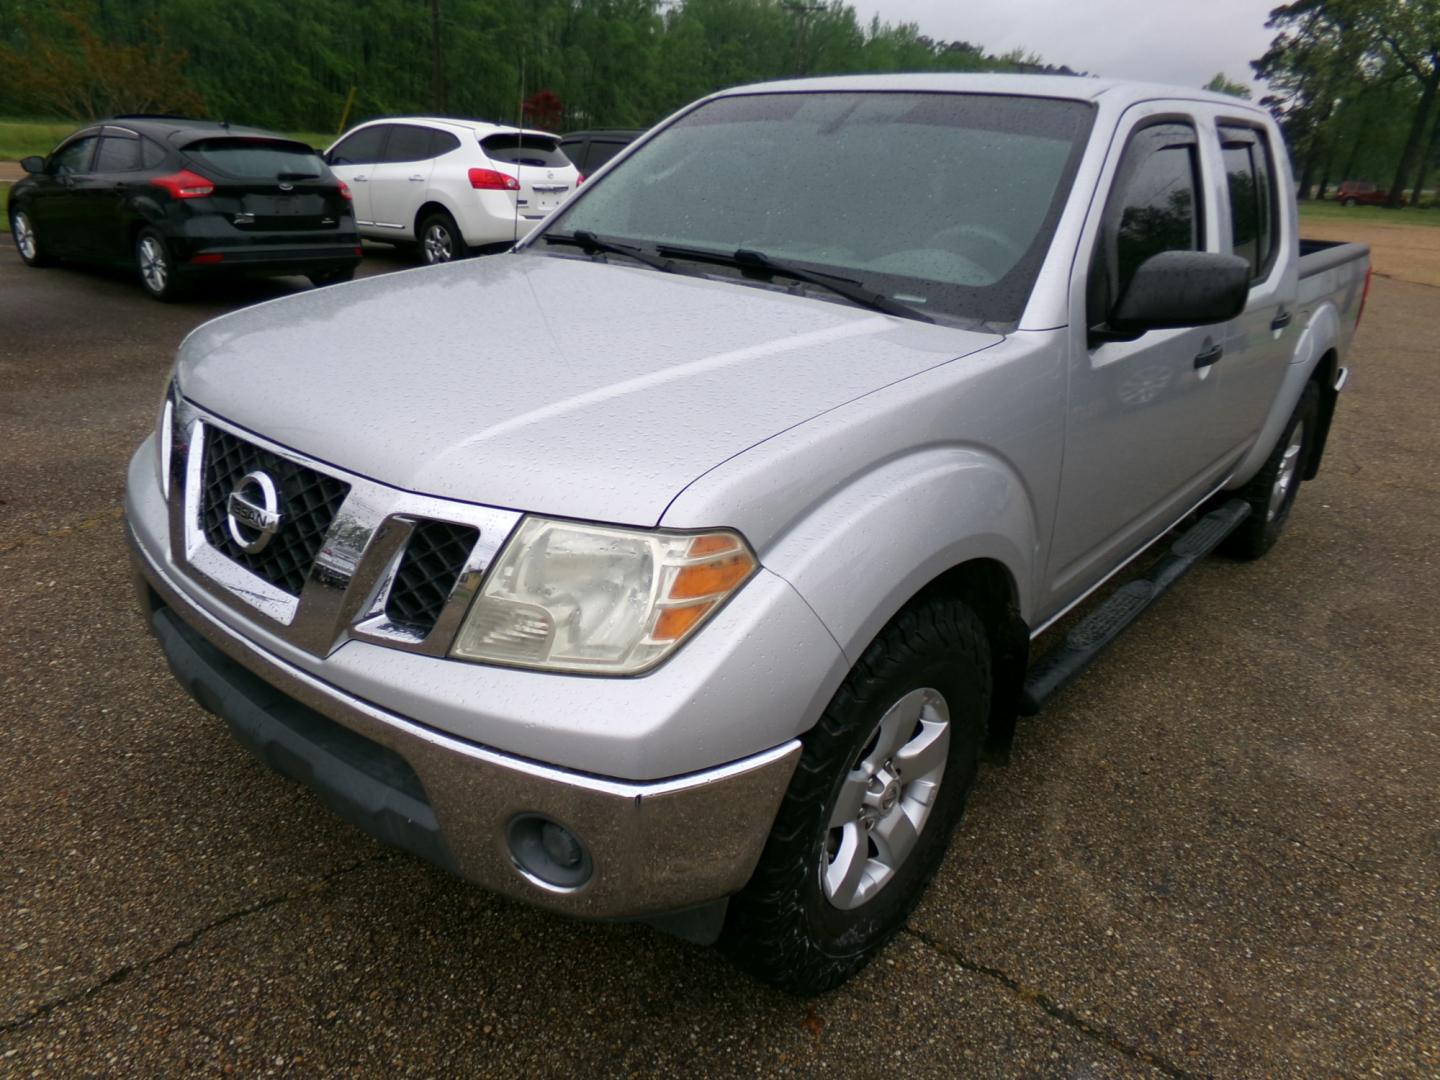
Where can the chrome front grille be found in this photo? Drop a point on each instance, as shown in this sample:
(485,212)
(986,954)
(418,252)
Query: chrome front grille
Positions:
(350,560)
(428,571)
(311,500)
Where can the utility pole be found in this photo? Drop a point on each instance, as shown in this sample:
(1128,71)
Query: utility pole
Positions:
(437,60)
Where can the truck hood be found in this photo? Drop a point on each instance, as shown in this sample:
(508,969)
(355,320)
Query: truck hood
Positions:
(553,385)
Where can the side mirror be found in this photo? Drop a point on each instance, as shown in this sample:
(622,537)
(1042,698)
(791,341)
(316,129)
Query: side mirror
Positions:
(33,164)
(1180,288)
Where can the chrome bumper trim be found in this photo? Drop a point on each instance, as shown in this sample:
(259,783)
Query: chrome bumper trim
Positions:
(657,847)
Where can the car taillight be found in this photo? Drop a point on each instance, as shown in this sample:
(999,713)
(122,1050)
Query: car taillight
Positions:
(1364,295)
(345,191)
(185,185)
(490,180)
(579,179)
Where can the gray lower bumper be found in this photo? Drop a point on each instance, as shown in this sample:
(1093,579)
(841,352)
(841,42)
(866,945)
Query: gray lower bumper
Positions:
(656,847)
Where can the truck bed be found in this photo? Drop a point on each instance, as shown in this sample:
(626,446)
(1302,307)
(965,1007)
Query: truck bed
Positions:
(1328,267)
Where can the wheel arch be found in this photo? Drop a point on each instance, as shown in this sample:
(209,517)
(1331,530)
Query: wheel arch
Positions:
(987,587)
(431,205)
(1327,371)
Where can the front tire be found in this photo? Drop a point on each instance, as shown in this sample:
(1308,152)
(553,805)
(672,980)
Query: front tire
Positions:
(440,239)
(1348,202)
(22,231)
(1271,492)
(156,266)
(881,783)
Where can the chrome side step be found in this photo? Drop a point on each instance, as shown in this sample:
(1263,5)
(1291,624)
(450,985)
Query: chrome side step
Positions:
(1103,625)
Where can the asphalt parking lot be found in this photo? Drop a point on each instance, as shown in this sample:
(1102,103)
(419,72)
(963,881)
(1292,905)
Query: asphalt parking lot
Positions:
(1217,855)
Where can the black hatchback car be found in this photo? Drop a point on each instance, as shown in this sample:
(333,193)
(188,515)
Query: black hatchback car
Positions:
(181,199)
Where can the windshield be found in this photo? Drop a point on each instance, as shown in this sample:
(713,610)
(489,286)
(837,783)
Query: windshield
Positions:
(943,202)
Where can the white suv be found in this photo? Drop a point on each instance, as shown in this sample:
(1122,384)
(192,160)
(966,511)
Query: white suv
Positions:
(453,186)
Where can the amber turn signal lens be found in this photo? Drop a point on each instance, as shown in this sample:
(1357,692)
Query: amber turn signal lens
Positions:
(676,621)
(711,578)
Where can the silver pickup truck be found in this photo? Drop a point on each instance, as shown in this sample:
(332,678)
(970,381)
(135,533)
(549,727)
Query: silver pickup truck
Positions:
(683,564)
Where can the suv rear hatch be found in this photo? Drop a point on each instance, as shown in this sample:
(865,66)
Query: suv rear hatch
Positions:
(537,163)
(269,185)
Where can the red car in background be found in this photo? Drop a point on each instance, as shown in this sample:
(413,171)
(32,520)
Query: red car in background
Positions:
(1362,193)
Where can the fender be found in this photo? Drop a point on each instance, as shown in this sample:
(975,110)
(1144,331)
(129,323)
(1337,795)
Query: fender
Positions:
(1321,335)
(860,555)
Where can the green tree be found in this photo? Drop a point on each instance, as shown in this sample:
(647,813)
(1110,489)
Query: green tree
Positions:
(1221,85)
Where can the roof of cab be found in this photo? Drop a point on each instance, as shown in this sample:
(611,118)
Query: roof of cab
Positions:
(1075,87)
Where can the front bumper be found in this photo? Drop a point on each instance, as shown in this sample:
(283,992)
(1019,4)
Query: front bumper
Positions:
(655,847)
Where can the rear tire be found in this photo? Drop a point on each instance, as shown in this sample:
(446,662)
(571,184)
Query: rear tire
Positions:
(335,277)
(841,872)
(156,266)
(22,231)
(1271,492)
(440,239)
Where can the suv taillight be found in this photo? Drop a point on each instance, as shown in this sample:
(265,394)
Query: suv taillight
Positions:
(490,180)
(185,185)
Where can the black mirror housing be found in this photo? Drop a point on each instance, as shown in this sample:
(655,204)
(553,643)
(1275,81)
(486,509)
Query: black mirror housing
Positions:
(33,164)
(1181,288)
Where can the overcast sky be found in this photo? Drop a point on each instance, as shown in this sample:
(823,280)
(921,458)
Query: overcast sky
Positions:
(1173,41)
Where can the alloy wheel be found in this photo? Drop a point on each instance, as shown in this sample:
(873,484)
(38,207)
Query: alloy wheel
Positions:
(1289,470)
(154,265)
(439,244)
(24,234)
(886,799)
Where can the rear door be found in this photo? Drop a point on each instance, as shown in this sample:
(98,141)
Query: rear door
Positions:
(105,194)
(353,160)
(399,182)
(268,187)
(1259,344)
(1141,444)
(56,206)
(543,171)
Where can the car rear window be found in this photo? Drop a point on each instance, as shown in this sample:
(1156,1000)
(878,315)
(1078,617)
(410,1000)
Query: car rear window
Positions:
(257,159)
(537,150)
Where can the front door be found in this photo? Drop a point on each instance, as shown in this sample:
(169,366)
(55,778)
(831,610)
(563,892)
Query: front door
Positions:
(57,211)
(1141,445)
(353,160)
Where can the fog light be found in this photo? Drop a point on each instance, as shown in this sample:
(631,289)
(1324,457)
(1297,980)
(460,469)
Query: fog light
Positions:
(547,853)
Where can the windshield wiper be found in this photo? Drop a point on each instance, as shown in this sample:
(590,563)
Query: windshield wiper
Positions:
(758,263)
(591,244)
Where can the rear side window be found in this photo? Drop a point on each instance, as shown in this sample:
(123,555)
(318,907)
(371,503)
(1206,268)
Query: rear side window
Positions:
(442,142)
(408,143)
(118,153)
(1250,181)
(360,148)
(73,157)
(602,151)
(1153,207)
(152,155)
(257,159)
(536,150)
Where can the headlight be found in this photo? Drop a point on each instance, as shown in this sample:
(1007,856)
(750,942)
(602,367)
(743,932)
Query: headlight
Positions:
(164,438)
(564,596)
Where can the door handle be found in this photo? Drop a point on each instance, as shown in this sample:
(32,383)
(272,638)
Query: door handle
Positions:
(417,176)
(1281,321)
(359,179)
(1209,356)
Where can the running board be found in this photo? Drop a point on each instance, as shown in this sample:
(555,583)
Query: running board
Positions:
(1103,625)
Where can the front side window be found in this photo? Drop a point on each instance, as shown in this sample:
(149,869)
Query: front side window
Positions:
(1153,207)
(943,202)
(73,157)
(1254,223)
(360,148)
